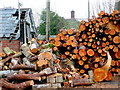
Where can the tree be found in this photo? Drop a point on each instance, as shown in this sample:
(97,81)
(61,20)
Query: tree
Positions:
(117,5)
(56,23)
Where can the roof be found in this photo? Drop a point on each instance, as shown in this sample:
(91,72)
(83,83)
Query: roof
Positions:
(8,22)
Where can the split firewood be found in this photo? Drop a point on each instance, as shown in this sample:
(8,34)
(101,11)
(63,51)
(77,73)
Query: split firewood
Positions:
(26,50)
(8,51)
(18,77)
(22,85)
(2,54)
(26,61)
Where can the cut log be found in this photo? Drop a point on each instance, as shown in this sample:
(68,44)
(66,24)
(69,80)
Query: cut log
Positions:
(117,54)
(70,31)
(26,50)
(82,52)
(7,72)
(99,75)
(33,48)
(109,76)
(116,39)
(22,85)
(24,67)
(26,61)
(80,62)
(2,54)
(82,27)
(8,51)
(90,52)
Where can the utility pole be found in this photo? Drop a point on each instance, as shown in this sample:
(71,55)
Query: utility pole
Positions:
(47,19)
(88,9)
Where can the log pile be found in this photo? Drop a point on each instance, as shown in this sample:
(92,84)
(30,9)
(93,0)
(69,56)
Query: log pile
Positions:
(92,47)
(74,57)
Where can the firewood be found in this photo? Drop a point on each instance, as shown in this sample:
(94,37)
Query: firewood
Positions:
(24,67)
(33,48)
(99,74)
(117,54)
(109,76)
(26,50)
(6,72)
(2,54)
(90,52)
(22,85)
(26,61)
(8,51)
(116,39)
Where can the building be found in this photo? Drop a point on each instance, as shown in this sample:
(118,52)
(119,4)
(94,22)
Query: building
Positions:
(117,5)
(14,28)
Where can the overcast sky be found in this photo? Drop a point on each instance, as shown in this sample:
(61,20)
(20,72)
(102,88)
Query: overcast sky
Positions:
(62,7)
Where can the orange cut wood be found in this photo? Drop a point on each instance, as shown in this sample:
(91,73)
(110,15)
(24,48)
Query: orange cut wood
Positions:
(90,52)
(82,71)
(80,62)
(55,48)
(75,51)
(116,39)
(2,54)
(82,52)
(99,75)
(112,32)
(70,31)
(82,27)
(109,76)
(117,54)
(86,66)
(57,43)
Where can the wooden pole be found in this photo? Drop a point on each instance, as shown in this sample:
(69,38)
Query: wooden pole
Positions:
(47,19)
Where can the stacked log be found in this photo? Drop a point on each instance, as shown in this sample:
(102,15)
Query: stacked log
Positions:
(87,47)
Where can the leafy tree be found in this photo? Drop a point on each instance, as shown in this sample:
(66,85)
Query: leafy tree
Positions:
(56,23)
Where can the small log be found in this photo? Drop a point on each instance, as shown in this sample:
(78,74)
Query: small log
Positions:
(26,61)
(80,62)
(22,85)
(2,54)
(6,72)
(18,77)
(24,67)
(14,61)
(82,52)
(109,76)
(8,51)
(26,50)
(99,75)
(82,71)
(117,54)
(116,39)
(82,27)
(90,52)
(33,48)
(70,31)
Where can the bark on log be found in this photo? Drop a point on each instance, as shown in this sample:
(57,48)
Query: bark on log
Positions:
(24,67)
(22,85)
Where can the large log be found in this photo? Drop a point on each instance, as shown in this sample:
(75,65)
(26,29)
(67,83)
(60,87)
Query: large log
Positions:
(22,85)
(18,77)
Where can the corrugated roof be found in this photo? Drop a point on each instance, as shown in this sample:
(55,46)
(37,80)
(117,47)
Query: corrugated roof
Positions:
(8,22)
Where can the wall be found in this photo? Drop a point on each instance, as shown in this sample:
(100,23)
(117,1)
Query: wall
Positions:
(14,44)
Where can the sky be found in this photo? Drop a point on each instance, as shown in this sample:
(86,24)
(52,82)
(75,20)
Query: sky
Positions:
(61,7)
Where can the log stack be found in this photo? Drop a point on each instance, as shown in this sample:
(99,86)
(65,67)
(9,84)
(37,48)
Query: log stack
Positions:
(74,57)
(87,47)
